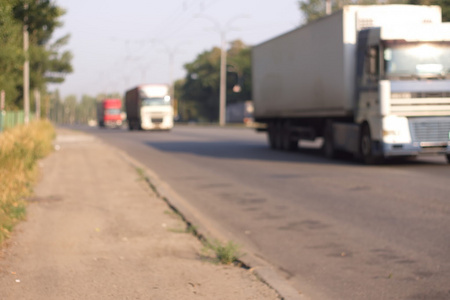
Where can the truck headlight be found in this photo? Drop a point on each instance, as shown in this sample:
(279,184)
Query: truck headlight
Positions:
(396,130)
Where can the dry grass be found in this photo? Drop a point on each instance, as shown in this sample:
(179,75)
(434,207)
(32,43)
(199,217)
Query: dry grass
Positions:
(20,149)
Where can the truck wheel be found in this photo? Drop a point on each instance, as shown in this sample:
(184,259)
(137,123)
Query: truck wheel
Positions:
(288,144)
(365,147)
(328,142)
(278,135)
(448,158)
(271,134)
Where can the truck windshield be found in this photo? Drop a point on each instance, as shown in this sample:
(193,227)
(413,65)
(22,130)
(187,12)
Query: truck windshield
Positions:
(155,101)
(417,60)
(112,111)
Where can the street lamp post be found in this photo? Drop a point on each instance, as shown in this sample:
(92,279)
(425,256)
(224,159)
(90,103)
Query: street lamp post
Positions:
(223,63)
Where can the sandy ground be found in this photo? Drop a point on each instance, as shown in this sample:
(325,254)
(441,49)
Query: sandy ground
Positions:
(95,230)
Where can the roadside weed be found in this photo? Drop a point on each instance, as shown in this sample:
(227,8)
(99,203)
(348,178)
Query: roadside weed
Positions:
(141,173)
(224,254)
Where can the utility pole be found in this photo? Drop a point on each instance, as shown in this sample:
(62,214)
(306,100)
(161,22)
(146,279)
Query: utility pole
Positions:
(223,64)
(328,7)
(26,70)
(223,79)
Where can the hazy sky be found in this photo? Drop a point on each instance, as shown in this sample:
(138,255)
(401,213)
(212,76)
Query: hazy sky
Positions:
(119,44)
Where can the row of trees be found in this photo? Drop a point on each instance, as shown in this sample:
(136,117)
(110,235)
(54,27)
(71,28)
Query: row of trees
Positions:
(71,110)
(32,22)
(314,9)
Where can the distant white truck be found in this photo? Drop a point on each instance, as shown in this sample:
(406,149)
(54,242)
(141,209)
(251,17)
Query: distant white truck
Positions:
(149,107)
(371,80)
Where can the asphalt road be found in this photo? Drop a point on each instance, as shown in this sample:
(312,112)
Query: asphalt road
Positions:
(335,229)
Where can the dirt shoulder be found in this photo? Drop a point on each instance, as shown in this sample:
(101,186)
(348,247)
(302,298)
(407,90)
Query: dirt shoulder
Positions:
(96,231)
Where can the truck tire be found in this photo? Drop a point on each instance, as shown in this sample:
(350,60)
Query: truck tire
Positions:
(365,147)
(448,158)
(288,143)
(278,135)
(271,134)
(328,140)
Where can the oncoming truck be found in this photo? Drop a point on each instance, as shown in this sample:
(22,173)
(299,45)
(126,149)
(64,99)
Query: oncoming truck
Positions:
(109,113)
(149,107)
(370,80)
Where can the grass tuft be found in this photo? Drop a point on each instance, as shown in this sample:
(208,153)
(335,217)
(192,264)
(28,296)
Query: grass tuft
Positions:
(225,254)
(20,149)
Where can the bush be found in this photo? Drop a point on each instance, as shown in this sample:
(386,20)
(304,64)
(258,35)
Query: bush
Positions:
(20,149)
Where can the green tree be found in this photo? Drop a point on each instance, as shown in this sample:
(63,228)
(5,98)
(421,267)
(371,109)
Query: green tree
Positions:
(87,109)
(11,53)
(47,62)
(70,109)
(116,95)
(187,108)
(56,107)
(312,9)
(444,4)
(202,84)
(198,93)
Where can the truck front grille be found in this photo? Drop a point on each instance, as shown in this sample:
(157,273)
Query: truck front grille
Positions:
(430,129)
(421,106)
(421,95)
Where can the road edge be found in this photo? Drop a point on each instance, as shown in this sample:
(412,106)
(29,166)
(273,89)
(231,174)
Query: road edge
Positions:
(260,267)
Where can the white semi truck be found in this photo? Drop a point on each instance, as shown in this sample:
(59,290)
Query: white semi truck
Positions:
(149,107)
(370,80)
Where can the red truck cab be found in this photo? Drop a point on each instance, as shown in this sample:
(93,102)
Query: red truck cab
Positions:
(109,113)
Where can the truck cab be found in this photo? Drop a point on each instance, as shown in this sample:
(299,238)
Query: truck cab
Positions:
(149,107)
(109,113)
(403,90)
(371,80)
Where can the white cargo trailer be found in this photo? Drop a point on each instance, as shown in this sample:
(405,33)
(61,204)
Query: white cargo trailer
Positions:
(371,80)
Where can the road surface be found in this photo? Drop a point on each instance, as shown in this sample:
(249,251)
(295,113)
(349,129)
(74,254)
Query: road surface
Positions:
(335,229)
